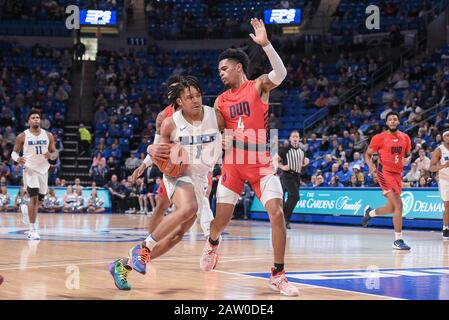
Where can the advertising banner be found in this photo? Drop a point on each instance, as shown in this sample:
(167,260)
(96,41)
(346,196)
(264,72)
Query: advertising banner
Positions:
(422,203)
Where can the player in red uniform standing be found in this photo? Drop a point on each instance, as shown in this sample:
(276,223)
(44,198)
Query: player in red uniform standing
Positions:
(245,109)
(393,147)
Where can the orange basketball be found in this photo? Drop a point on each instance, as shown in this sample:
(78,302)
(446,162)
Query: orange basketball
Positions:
(176,164)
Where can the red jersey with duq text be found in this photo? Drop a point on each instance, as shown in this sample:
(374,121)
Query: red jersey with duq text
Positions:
(392,149)
(246,114)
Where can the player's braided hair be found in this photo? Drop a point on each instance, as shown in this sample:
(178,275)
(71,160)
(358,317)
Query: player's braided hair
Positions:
(184,82)
(171,83)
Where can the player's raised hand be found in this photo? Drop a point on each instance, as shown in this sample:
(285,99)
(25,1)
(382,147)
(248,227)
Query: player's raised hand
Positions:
(260,33)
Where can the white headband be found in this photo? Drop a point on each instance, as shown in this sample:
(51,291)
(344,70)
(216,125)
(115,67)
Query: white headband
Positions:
(445,133)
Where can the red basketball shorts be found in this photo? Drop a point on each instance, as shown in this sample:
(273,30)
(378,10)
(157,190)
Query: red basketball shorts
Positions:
(390,182)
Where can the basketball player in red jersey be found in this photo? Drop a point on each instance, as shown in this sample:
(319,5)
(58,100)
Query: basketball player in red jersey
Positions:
(162,201)
(393,147)
(245,109)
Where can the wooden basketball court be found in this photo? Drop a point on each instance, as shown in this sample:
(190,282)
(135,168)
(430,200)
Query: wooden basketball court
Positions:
(325,262)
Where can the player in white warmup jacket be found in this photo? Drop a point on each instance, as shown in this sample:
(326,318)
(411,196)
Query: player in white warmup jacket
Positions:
(440,164)
(38,147)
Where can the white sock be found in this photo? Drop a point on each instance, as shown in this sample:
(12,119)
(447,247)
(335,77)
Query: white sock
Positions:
(372,213)
(398,235)
(445,227)
(150,242)
(33,227)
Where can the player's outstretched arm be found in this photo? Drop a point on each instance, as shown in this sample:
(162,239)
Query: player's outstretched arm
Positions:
(18,145)
(273,79)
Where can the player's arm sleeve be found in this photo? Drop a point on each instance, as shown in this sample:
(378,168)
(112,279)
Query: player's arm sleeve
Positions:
(279,72)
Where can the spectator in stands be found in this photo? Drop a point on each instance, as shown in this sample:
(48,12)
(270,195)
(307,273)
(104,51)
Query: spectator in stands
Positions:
(113,168)
(115,153)
(132,163)
(101,116)
(118,196)
(132,195)
(423,182)
(58,120)
(359,175)
(358,160)
(326,165)
(335,182)
(5,199)
(148,132)
(413,175)
(305,95)
(344,175)
(99,161)
(388,96)
(320,181)
(330,175)
(61,95)
(423,162)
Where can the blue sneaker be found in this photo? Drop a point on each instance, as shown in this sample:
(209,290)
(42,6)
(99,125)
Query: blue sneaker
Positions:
(139,256)
(400,245)
(120,274)
(366,216)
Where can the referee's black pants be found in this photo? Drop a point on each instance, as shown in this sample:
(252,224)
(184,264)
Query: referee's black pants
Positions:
(290,184)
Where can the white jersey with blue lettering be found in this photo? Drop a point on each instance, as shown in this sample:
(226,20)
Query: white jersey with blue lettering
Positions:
(202,141)
(34,149)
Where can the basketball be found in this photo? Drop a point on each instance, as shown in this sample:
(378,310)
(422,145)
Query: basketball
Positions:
(176,164)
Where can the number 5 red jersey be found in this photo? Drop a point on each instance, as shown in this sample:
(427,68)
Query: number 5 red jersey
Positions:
(392,149)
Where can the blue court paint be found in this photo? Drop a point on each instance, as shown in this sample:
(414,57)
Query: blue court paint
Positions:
(409,283)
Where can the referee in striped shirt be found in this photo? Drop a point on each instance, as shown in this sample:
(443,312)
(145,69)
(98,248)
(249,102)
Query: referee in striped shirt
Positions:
(291,160)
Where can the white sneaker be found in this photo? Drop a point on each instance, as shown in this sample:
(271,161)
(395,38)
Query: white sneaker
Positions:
(279,283)
(33,235)
(27,233)
(209,256)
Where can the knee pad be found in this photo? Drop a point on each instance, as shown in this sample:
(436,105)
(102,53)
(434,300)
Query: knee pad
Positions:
(33,192)
(41,197)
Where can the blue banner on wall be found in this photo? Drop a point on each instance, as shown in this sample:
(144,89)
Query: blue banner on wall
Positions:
(102,193)
(417,203)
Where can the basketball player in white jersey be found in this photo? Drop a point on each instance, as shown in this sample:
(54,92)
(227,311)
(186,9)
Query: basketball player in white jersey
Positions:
(197,128)
(38,147)
(440,163)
